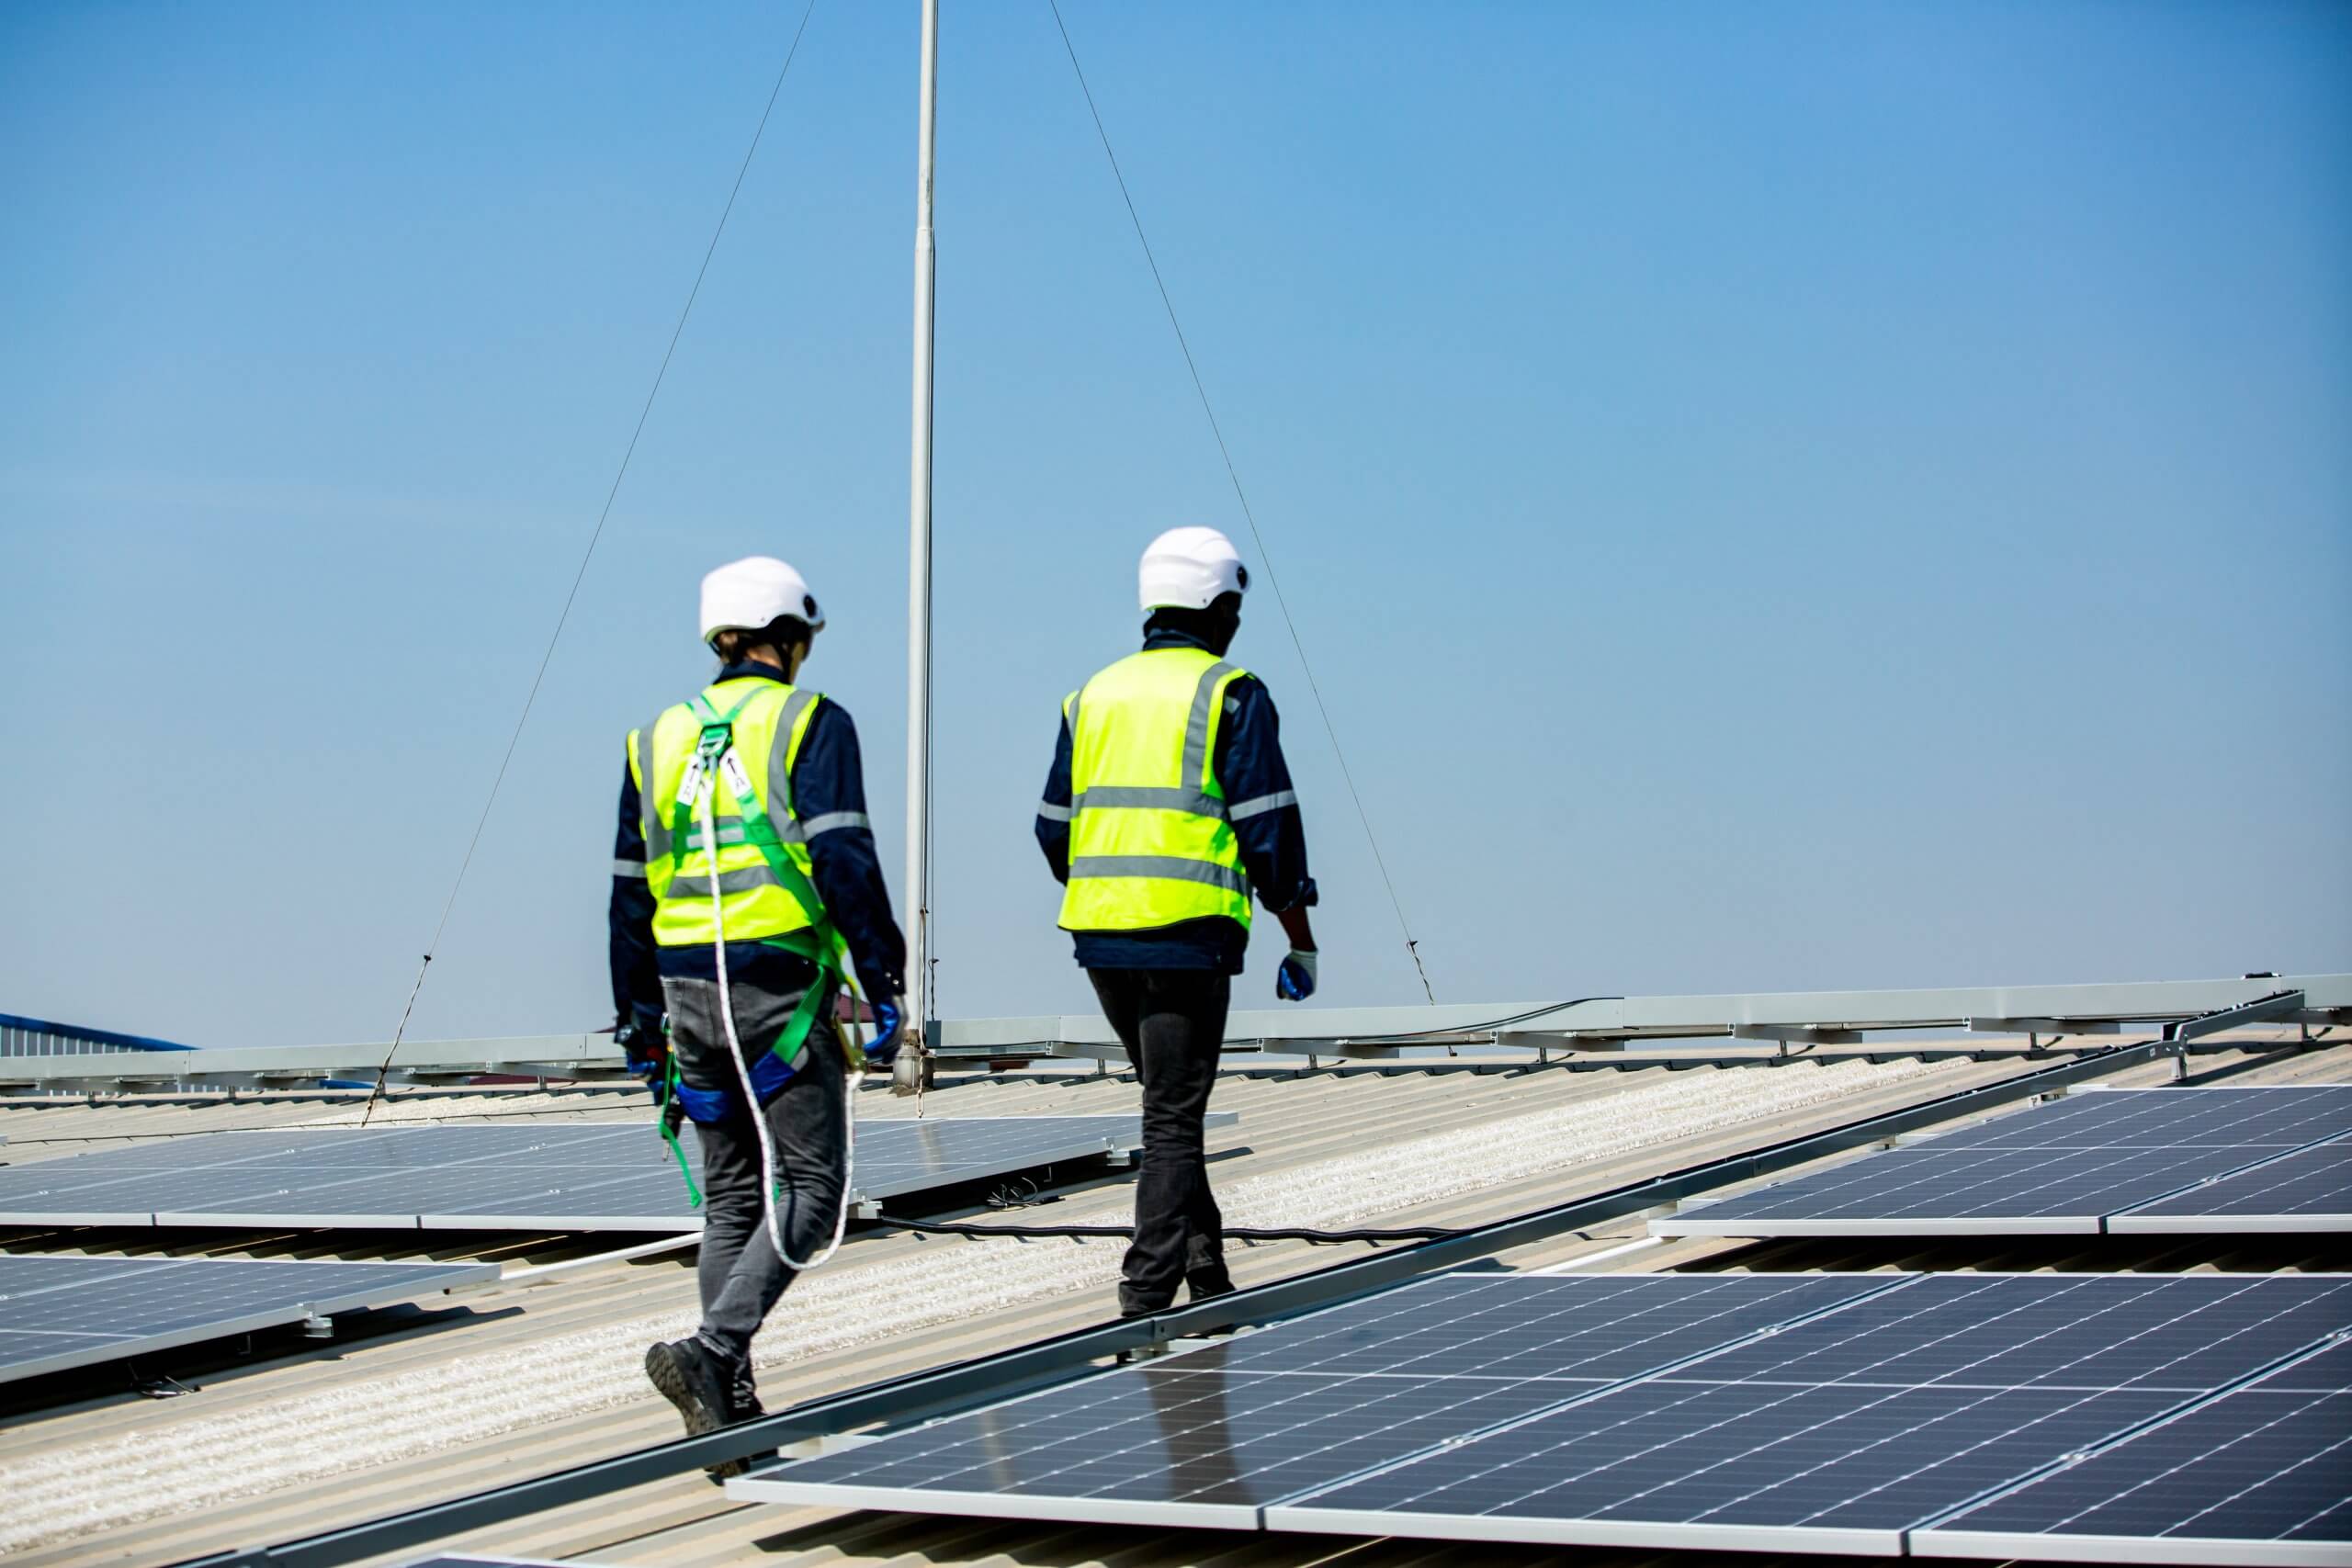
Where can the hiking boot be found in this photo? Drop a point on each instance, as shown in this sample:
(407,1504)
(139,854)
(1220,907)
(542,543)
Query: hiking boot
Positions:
(708,1394)
(691,1378)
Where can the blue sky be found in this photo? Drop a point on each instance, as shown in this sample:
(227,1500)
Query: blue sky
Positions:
(1777,497)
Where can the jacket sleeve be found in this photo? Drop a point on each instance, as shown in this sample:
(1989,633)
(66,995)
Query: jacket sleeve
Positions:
(1052,809)
(1260,803)
(637,984)
(829,797)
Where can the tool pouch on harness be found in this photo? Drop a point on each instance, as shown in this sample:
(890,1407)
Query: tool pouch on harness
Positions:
(819,942)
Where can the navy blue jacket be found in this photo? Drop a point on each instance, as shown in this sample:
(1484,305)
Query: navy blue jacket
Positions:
(1249,766)
(828,792)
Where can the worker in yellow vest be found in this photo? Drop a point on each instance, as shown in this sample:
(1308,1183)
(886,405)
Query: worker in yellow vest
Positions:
(744,880)
(1168,806)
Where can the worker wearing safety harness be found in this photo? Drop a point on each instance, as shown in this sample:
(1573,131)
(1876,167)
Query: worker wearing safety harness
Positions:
(744,877)
(1168,806)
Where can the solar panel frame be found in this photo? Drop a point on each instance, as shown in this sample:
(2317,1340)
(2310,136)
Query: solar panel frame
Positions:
(294,1292)
(470,1177)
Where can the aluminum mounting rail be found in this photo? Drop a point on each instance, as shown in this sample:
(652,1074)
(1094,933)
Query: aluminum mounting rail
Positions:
(1598,1023)
(998,1375)
(1795,1017)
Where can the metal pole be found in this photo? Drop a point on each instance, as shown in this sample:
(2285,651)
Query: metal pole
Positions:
(919,559)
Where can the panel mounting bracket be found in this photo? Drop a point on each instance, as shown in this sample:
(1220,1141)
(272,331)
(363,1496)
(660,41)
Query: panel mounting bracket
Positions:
(1785,1035)
(2277,1005)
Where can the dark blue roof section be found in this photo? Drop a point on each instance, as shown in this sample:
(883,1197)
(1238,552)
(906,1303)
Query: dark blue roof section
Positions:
(105,1037)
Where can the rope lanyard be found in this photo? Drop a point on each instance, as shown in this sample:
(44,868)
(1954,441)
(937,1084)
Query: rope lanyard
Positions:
(715,758)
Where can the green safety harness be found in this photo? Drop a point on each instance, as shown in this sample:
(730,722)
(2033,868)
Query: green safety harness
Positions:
(820,941)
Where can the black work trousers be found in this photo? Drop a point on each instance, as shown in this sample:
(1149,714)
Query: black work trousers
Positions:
(740,1275)
(1172,1023)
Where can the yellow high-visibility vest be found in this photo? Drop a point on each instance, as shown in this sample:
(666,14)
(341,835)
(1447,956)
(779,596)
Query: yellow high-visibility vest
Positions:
(769,719)
(1150,839)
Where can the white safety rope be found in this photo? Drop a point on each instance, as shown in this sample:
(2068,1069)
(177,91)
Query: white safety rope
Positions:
(704,790)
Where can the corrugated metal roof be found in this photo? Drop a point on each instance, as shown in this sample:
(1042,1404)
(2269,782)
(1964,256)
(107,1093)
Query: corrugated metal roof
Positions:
(518,1380)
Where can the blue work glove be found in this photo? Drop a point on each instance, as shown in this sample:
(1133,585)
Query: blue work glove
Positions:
(1296,982)
(644,1049)
(889,1029)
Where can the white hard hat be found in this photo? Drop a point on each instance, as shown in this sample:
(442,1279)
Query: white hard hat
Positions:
(1187,569)
(744,595)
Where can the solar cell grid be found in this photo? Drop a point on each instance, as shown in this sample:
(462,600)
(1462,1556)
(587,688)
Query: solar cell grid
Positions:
(2255,1476)
(1513,1326)
(2186,1333)
(57,1313)
(2271,1119)
(2329,1371)
(1998,1190)
(571,1174)
(2164,1159)
(1839,1415)
(1669,1462)
(1871,1419)
(1209,1437)
(2311,1189)
(1175,1446)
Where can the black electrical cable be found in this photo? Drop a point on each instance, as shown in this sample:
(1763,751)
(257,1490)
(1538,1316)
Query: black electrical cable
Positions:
(580,575)
(1126,1232)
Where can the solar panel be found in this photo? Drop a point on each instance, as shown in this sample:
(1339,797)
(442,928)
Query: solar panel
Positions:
(1514,1325)
(2181,1333)
(2284,1117)
(58,1313)
(2090,1162)
(1791,1413)
(2308,1190)
(1698,1464)
(2254,1476)
(1210,1438)
(1839,1433)
(555,1176)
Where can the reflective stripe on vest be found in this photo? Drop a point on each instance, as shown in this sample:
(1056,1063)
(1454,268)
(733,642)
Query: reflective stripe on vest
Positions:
(768,732)
(1150,840)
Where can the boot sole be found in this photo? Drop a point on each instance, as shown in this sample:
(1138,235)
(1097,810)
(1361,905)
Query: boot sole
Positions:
(663,1370)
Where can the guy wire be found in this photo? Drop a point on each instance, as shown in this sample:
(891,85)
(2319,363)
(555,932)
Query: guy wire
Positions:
(1411,946)
(585,555)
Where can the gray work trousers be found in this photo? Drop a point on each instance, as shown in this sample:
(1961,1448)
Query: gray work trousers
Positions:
(741,1276)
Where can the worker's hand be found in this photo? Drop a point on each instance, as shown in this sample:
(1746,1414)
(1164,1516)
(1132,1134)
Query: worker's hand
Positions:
(1295,981)
(889,1030)
(644,1049)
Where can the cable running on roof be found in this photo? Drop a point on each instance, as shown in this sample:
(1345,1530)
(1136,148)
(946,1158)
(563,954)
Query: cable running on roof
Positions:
(585,555)
(1411,946)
